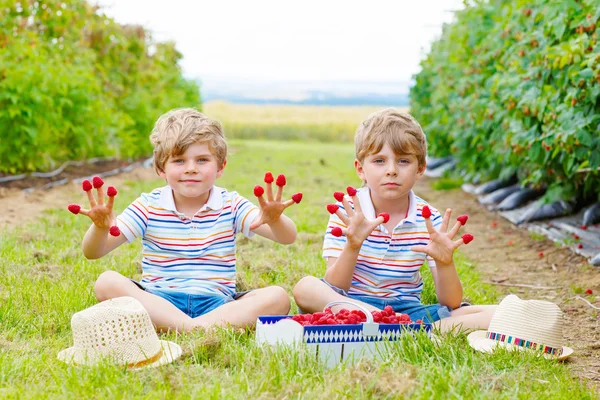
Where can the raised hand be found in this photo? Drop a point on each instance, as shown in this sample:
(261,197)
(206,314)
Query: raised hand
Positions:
(358,227)
(271,208)
(441,245)
(100,213)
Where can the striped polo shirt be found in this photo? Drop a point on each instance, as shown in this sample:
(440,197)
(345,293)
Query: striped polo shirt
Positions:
(386,267)
(188,255)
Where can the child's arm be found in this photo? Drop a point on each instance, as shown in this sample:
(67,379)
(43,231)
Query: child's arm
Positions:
(441,248)
(97,241)
(270,222)
(340,269)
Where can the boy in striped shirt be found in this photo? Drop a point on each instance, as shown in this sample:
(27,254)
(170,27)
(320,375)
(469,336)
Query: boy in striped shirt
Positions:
(379,236)
(188,231)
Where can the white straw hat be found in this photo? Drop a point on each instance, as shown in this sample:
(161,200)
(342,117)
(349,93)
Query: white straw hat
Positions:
(119,329)
(524,324)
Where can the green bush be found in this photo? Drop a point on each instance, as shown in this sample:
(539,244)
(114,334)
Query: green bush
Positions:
(513,86)
(74,84)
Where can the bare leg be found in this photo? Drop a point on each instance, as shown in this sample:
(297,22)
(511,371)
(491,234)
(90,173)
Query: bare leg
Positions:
(312,295)
(470,317)
(164,315)
(272,300)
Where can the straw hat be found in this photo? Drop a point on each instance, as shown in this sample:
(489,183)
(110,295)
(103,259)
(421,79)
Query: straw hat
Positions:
(524,324)
(119,329)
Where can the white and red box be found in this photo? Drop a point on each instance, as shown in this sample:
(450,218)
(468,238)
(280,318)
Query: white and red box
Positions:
(334,344)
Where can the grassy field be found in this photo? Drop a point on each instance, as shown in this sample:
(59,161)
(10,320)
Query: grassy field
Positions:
(45,279)
(285,122)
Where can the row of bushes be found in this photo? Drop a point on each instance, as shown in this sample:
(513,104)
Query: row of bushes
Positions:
(513,86)
(75,84)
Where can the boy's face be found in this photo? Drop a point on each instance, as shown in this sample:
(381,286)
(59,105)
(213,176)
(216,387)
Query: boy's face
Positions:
(388,175)
(193,173)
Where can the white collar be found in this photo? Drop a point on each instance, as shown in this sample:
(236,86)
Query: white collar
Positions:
(366,204)
(167,201)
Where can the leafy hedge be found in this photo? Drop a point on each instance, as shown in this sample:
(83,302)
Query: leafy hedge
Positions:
(74,84)
(513,86)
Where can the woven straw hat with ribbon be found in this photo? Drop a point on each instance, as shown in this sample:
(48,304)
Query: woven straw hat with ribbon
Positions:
(524,324)
(119,329)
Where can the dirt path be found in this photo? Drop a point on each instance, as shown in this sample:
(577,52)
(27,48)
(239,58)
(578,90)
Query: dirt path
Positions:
(503,254)
(508,255)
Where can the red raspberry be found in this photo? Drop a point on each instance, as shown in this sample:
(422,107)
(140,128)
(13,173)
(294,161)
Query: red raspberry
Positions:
(463,219)
(339,196)
(580,246)
(337,231)
(86,185)
(332,208)
(584,227)
(541,255)
(589,291)
(258,190)
(386,217)
(389,310)
(426,212)
(98,182)
(419,321)
(467,237)
(297,198)
(576,237)
(114,231)
(280,180)
(74,208)
(351,191)
(377,316)
(269,177)
(331,321)
(386,320)
(298,318)
(111,191)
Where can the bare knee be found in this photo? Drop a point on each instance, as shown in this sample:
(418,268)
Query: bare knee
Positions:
(277,300)
(304,290)
(110,284)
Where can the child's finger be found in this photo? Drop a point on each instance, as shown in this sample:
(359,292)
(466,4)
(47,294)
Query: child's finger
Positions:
(337,231)
(87,188)
(258,192)
(269,180)
(446,220)
(98,183)
(257,222)
(465,239)
(280,182)
(297,198)
(419,249)
(381,219)
(454,230)
(288,203)
(76,209)
(352,193)
(426,213)
(347,207)
(111,192)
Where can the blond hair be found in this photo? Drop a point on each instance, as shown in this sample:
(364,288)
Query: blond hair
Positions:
(178,129)
(398,129)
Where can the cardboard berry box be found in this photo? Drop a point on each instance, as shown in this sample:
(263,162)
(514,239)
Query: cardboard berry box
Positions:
(334,344)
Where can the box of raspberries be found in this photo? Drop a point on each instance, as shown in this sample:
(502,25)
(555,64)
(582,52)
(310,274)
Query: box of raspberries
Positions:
(343,336)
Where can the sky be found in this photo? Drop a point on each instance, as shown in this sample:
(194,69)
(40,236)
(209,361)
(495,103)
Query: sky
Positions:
(309,40)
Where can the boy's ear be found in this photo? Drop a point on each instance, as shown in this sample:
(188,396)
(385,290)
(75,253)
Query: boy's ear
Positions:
(220,171)
(359,170)
(421,170)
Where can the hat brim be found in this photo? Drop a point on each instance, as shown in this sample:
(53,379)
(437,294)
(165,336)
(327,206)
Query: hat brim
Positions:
(73,355)
(479,342)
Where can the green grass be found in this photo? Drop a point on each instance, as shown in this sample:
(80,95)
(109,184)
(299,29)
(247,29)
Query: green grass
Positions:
(289,122)
(45,279)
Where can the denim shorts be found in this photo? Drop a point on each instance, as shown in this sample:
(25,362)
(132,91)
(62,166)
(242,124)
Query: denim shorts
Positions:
(193,304)
(415,309)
